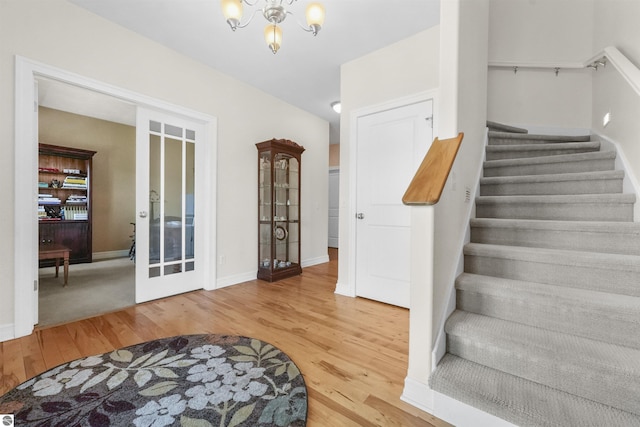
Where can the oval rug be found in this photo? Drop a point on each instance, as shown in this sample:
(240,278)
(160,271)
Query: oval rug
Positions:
(189,380)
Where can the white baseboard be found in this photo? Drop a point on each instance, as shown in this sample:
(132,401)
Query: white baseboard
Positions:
(223,282)
(7,332)
(462,415)
(315,261)
(345,290)
(417,394)
(97,256)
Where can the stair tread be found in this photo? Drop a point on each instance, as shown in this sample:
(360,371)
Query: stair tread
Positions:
(560,198)
(605,227)
(505,128)
(556,177)
(560,158)
(555,256)
(589,145)
(536,292)
(541,343)
(521,401)
(618,237)
(531,136)
(595,314)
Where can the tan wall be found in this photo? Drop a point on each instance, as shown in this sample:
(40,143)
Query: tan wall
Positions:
(114,170)
(334,155)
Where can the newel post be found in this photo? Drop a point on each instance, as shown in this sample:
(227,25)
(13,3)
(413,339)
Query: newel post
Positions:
(416,390)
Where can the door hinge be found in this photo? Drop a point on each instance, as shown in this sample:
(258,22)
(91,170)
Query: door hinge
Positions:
(429,121)
(35,285)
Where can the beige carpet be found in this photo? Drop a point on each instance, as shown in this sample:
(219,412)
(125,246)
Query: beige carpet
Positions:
(94,288)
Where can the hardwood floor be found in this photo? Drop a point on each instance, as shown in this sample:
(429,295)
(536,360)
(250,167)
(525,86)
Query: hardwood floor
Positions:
(351,351)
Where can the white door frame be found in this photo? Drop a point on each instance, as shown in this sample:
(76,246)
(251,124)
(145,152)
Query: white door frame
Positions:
(335,170)
(25,185)
(349,288)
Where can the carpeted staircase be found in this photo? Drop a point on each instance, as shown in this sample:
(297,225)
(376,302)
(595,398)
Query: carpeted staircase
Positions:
(547,326)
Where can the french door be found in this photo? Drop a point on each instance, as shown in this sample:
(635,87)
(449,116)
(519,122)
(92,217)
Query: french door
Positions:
(169,175)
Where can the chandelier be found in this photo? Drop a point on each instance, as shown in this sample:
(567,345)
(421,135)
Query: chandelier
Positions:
(274,12)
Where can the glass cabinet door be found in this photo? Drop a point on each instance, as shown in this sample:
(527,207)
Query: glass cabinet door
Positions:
(265,208)
(279,209)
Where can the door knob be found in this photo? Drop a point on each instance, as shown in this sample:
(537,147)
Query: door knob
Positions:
(142,214)
(360,215)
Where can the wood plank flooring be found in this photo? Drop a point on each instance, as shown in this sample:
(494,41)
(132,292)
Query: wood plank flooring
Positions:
(351,351)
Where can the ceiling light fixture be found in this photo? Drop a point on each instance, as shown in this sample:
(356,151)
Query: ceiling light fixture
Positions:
(274,12)
(337,107)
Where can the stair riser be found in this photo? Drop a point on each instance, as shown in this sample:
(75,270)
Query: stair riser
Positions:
(519,154)
(557,211)
(614,243)
(611,279)
(550,168)
(585,321)
(525,141)
(596,186)
(601,384)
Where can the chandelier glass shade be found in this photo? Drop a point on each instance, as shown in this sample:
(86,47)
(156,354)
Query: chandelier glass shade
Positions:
(274,11)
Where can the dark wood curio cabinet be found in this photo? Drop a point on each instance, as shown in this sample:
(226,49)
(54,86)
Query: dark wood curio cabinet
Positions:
(64,200)
(278,209)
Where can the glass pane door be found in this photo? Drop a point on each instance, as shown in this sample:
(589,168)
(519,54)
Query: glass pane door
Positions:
(166,198)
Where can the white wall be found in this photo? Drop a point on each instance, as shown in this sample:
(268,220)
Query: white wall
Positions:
(452,212)
(539,98)
(617,25)
(540,30)
(543,32)
(62,35)
(401,69)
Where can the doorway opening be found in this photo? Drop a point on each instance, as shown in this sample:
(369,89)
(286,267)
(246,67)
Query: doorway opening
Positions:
(28,74)
(78,118)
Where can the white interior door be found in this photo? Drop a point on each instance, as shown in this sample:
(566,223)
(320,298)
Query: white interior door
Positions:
(169,177)
(390,146)
(334,207)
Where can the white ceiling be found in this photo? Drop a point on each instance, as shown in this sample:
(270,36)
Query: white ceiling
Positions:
(306,70)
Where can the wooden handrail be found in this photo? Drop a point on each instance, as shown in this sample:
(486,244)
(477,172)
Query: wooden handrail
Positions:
(428,182)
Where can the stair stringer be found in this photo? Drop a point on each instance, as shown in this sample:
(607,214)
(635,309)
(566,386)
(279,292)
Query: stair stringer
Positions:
(440,343)
(423,397)
(630,183)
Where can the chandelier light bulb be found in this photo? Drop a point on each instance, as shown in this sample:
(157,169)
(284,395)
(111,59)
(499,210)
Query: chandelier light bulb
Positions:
(273,37)
(232,10)
(315,17)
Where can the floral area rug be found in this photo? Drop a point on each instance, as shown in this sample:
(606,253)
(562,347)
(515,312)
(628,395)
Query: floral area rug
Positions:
(189,381)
